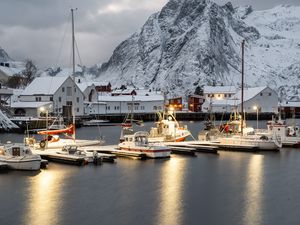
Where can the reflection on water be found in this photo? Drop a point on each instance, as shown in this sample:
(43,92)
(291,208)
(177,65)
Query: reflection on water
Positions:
(172,180)
(253,191)
(45,198)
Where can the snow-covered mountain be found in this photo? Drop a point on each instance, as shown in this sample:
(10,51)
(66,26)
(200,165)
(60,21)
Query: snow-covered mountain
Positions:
(191,43)
(4,56)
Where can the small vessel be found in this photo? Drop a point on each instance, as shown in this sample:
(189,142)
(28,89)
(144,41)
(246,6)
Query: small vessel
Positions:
(168,129)
(138,142)
(19,157)
(96,123)
(89,157)
(289,134)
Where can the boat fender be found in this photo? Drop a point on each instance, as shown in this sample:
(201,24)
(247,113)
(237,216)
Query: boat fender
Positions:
(264,137)
(42,144)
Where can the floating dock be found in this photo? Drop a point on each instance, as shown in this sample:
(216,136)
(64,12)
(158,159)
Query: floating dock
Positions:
(113,149)
(192,146)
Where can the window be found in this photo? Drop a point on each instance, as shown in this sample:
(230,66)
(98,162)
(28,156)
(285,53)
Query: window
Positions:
(59,99)
(77,99)
(77,109)
(69,103)
(136,108)
(155,107)
(212,95)
(38,99)
(117,107)
(69,91)
(51,98)
(63,89)
(261,94)
(219,95)
(229,95)
(74,89)
(270,94)
(107,107)
(225,95)
(142,107)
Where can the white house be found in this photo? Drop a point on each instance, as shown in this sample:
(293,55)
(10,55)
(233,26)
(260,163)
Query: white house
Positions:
(264,98)
(57,90)
(218,92)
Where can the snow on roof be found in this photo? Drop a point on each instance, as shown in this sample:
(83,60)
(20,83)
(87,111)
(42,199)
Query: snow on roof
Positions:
(248,93)
(219,89)
(44,85)
(10,71)
(28,104)
(290,104)
(128,98)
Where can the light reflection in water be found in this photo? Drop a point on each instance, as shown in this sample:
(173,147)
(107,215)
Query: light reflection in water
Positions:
(253,191)
(172,180)
(44,198)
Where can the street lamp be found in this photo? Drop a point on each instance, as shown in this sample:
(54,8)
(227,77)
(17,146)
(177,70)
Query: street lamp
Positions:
(256,108)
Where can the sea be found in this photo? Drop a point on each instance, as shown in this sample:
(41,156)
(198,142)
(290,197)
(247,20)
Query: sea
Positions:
(230,188)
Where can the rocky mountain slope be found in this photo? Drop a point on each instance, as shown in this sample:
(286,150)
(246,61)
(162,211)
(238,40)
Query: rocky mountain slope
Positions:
(191,43)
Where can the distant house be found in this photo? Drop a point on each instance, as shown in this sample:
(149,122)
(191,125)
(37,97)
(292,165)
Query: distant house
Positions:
(8,69)
(120,102)
(175,103)
(290,107)
(264,98)
(118,92)
(195,103)
(218,92)
(56,90)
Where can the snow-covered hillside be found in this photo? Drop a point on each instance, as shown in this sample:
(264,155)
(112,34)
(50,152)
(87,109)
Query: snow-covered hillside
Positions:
(197,42)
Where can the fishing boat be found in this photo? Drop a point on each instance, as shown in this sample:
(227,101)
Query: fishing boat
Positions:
(288,134)
(19,157)
(138,142)
(168,129)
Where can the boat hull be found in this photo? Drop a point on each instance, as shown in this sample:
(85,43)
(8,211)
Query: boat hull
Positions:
(150,153)
(23,164)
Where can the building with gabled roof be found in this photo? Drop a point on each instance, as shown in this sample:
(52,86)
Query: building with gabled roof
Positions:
(264,98)
(60,91)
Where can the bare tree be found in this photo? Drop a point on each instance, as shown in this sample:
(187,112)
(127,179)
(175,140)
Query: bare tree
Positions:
(29,72)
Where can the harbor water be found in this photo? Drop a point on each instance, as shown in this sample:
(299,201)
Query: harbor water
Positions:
(228,188)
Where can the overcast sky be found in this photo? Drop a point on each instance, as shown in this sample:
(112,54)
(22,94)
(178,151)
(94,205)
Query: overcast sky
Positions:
(40,29)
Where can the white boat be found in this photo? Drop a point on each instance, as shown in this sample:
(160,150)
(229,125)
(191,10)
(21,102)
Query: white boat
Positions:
(19,157)
(168,129)
(90,157)
(96,123)
(138,142)
(289,134)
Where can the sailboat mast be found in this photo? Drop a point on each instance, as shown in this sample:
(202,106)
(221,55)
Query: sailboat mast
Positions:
(73,72)
(242,87)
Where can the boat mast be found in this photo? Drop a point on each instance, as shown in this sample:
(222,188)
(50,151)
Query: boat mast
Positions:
(242,88)
(73,72)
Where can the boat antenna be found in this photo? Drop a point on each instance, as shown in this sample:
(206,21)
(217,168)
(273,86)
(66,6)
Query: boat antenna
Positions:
(242,87)
(73,72)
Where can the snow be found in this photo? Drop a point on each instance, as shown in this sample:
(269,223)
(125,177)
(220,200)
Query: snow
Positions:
(219,89)
(28,104)
(5,122)
(44,85)
(128,98)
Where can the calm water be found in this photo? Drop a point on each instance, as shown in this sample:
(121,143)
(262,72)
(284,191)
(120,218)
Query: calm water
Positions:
(229,188)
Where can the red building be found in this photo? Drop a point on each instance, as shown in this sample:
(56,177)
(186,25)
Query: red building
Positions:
(195,103)
(103,87)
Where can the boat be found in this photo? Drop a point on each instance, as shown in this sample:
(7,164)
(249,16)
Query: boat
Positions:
(235,135)
(96,123)
(138,143)
(168,129)
(288,134)
(51,139)
(19,157)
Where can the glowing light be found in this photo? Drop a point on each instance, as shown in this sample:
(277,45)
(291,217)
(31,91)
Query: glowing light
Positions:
(255,107)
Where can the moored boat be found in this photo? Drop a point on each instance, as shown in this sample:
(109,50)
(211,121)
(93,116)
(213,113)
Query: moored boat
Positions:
(19,157)
(138,142)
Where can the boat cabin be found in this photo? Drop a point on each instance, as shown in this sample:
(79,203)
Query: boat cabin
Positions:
(139,138)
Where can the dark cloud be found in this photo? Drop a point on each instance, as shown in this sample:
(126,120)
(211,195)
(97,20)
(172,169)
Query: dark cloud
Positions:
(35,28)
